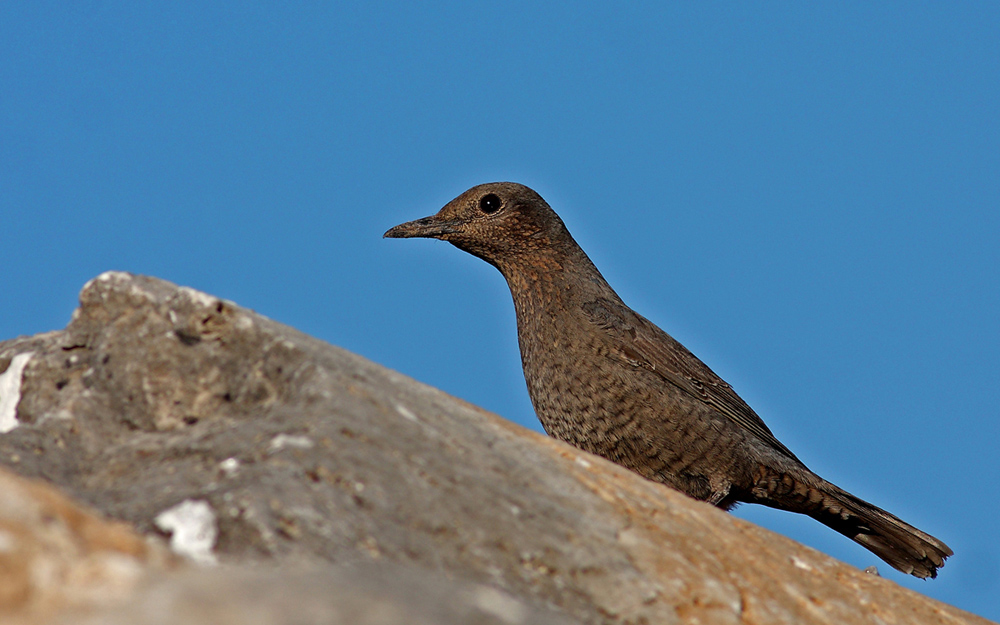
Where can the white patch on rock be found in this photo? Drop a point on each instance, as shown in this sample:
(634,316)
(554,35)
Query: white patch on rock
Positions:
(107,276)
(583,462)
(192,530)
(10,391)
(230,466)
(500,605)
(281,441)
(62,415)
(406,413)
(801,564)
(629,537)
(198,297)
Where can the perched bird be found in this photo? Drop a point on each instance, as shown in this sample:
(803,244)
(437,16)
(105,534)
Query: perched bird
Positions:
(605,379)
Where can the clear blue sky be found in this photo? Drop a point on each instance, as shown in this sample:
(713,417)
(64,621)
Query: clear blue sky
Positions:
(805,194)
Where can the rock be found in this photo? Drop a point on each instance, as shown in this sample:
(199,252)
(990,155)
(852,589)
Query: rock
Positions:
(383,594)
(303,453)
(55,555)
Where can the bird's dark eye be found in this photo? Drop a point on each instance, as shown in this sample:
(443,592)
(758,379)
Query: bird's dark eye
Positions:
(490,203)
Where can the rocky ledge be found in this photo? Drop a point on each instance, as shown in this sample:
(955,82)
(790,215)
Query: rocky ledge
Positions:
(332,490)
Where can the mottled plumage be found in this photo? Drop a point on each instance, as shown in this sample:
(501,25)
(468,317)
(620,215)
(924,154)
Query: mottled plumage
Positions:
(603,378)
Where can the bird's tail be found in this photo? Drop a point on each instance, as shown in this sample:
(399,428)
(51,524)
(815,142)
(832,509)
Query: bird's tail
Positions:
(901,545)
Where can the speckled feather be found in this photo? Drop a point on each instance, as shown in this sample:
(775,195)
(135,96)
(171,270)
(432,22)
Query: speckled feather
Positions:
(605,379)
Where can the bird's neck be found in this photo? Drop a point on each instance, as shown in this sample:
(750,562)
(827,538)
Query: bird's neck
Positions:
(549,295)
(549,286)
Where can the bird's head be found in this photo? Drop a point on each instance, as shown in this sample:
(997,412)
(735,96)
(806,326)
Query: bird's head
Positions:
(499,222)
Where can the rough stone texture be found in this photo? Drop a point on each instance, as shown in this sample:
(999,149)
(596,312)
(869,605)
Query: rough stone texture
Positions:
(56,555)
(361,595)
(156,394)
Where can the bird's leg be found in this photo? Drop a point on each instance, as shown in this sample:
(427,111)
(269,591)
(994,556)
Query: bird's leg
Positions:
(719,494)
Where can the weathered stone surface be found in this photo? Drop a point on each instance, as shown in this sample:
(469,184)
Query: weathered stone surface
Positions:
(56,555)
(154,395)
(382,594)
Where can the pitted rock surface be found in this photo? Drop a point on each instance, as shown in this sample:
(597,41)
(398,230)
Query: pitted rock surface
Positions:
(306,454)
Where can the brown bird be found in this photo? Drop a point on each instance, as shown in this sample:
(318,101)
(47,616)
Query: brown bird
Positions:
(603,378)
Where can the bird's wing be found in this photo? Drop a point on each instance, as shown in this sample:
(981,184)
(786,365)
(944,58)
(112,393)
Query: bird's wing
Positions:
(639,343)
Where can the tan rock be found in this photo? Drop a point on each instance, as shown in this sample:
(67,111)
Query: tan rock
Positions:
(374,594)
(54,554)
(295,451)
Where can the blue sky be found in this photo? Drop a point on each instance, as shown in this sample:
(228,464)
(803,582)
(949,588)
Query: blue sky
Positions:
(804,194)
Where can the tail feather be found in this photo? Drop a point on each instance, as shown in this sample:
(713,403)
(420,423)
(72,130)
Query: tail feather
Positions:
(898,543)
(901,545)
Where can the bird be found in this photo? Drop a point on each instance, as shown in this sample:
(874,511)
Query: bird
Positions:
(608,381)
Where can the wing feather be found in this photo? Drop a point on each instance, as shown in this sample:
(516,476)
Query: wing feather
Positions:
(639,343)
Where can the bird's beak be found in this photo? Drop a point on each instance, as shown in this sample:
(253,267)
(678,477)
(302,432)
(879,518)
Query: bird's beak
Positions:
(429,227)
